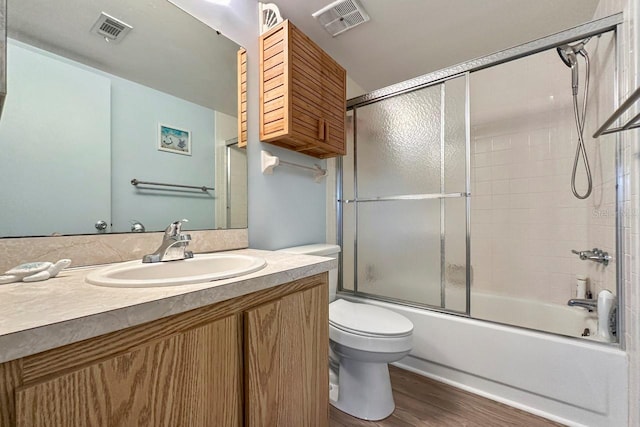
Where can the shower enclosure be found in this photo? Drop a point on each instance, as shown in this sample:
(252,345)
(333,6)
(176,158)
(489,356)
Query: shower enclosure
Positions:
(456,193)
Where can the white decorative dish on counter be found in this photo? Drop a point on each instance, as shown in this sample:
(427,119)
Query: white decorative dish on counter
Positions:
(199,269)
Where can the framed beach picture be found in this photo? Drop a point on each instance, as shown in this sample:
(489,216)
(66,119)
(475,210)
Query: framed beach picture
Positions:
(174,140)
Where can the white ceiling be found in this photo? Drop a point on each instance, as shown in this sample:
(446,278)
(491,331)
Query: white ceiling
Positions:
(408,38)
(167,49)
(404,39)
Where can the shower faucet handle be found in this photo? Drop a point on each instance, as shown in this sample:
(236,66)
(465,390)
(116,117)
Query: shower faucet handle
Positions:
(581,254)
(595,254)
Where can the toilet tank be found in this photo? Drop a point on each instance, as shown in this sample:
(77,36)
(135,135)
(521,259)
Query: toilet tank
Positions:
(320,249)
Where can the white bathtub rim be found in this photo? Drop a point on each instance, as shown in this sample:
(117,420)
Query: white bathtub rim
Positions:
(589,342)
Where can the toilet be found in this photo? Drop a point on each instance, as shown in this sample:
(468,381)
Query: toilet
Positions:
(363,339)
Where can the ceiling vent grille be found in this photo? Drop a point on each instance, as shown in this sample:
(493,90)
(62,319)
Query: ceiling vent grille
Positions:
(341,16)
(110,28)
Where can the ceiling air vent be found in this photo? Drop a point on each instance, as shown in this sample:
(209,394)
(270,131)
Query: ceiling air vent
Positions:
(341,16)
(112,29)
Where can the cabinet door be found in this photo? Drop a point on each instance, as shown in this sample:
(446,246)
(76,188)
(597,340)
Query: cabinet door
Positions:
(334,103)
(306,87)
(286,362)
(189,379)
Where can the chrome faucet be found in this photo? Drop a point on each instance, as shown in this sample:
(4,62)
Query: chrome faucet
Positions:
(173,246)
(590,304)
(597,255)
(607,307)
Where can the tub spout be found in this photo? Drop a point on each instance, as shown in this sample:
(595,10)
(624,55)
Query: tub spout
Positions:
(590,304)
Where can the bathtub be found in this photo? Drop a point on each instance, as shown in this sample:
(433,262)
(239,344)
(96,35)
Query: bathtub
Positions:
(554,318)
(570,380)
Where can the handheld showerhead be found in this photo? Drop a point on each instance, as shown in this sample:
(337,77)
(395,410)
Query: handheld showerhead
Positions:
(568,53)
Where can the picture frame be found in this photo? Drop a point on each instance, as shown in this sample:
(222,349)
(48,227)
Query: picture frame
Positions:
(173,139)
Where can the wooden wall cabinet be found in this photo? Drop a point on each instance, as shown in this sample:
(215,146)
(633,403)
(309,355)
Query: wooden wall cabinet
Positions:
(302,94)
(256,360)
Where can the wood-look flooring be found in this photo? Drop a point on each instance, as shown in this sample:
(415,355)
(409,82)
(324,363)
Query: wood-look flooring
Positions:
(422,401)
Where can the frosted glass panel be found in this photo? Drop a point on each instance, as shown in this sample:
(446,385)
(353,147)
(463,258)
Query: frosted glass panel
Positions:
(398,145)
(455,135)
(455,253)
(399,250)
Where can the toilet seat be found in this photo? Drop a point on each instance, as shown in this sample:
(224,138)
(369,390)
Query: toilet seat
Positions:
(366,334)
(370,344)
(368,320)
(369,328)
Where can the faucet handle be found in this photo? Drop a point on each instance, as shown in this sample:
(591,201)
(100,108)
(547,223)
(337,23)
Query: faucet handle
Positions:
(179,223)
(581,254)
(174,228)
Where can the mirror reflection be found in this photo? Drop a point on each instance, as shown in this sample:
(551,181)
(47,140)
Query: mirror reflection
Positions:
(100,93)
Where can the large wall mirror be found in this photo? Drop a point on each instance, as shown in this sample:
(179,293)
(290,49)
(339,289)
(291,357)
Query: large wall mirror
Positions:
(86,114)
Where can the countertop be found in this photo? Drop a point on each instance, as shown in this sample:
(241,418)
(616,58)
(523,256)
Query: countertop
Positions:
(43,315)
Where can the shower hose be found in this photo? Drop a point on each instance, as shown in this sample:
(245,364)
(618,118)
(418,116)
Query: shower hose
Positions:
(580,119)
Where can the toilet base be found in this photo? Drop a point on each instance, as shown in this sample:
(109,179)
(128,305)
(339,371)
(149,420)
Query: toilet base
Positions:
(364,390)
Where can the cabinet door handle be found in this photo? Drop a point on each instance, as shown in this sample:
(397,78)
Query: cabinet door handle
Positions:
(321,129)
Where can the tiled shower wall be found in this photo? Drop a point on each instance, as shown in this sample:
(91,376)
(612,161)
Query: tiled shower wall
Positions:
(525,220)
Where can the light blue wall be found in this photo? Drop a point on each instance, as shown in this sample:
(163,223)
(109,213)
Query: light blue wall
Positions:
(54,136)
(102,131)
(288,207)
(136,112)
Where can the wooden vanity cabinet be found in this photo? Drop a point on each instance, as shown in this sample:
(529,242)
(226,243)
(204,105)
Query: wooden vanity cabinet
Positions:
(255,360)
(302,94)
(286,368)
(187,379)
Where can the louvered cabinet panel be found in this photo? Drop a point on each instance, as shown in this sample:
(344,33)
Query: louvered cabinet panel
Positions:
(242,97)
(334,102)
(303,94)
(274,76)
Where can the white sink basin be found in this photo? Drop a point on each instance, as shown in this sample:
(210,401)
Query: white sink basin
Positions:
(200,268)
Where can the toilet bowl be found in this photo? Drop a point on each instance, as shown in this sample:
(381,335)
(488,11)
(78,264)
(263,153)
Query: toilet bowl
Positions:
(363,339)
(366,338)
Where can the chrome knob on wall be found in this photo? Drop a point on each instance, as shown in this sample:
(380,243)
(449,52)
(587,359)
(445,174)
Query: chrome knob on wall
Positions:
(597,255)
(137,227)
(101,225)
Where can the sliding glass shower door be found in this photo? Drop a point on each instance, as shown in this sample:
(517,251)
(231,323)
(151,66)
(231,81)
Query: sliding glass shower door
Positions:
(404,198)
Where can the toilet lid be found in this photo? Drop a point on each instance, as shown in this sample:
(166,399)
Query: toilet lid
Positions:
(365,319)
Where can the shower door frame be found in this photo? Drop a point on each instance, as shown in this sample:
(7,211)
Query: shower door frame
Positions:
(442,196)
(611,23)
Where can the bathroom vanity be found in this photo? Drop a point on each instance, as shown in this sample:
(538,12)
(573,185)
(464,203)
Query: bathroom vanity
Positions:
(251,350)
